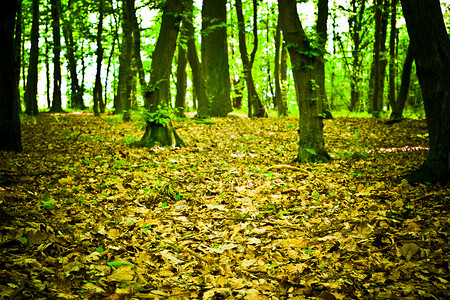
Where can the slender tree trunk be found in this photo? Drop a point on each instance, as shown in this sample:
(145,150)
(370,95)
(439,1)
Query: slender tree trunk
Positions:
(111,55)
(57,101)
(280,99)
(10,136)
(136,32)
(321,30)
(47,68)
(98,81)
(399,105)
(215,56)
(31,104)
(125,86)
(376,105)
(198,79)
(18,52)
(254,102)
(180,98)
(159,125)
(75,96)
(392,56)
(283,76)
(431,50)
(311,142)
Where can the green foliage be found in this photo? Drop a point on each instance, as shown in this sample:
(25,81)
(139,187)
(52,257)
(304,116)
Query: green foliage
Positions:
(160,116)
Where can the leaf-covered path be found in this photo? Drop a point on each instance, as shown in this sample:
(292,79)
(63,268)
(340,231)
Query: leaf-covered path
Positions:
(84,215)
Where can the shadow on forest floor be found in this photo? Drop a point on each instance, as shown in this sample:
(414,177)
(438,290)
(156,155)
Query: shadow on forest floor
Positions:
(83,214)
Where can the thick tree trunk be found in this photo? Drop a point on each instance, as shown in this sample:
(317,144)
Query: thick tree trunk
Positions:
(431,50)
(10,136)
(57,101)
(159,125)
(215,56)
(311,142)
(399,105)
(31,89)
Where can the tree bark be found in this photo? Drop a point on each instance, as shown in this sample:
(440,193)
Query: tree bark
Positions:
(76,97)
(254,102)
(125,84)
(180,98)
(198,79)
(10,136)
(399,105)
(304,62)
(392,56)
(215,56)
(159,125)
(98,106)
(321,30)
(57,101)
(280,98)
(30,97)
(431,50)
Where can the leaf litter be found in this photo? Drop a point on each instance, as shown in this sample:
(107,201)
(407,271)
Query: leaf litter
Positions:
(84,215)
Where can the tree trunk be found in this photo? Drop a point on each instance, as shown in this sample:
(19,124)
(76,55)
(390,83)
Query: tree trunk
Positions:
(125,84)
(18,52)
(392,56)
(10,136)
(215,56)
(159,125)
(431,50)
(376,97)
(321,30)
(180,98)
(30,97)
(304,62)
(280,99)
(98,81)
(198,80)
(76,98)
(57,101)
(254,102)
(399,105)
(355,23)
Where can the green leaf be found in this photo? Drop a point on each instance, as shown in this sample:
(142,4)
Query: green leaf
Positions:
(117,264)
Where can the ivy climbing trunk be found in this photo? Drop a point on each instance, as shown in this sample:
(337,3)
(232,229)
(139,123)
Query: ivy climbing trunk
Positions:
(159,127)
(304,61)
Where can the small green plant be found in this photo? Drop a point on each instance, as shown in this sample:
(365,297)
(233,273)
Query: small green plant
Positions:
(50,204)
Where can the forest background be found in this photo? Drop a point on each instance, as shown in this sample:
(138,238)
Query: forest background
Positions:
(349,75)
(223,211)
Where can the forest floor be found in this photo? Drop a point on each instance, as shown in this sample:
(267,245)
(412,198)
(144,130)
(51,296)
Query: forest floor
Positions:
(85,215)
